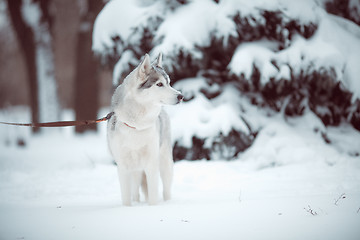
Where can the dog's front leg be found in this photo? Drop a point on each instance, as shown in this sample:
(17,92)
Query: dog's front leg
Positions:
(166,170)
(152,184)
(125,185)
(135,185)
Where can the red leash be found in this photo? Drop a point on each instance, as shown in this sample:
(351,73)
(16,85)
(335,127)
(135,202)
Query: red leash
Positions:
(62,123)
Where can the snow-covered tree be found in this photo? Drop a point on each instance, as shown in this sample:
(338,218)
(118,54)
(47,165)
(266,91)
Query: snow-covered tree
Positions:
(286,55)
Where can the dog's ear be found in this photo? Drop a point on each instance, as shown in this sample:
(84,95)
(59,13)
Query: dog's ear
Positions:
(159,60)
(144,67)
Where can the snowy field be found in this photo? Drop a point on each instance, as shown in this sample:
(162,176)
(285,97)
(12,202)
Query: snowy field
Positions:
(289,184)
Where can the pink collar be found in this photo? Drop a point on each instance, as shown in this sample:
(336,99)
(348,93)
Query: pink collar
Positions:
(129,125)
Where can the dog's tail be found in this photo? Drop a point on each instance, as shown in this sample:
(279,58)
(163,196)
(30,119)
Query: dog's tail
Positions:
(144,186)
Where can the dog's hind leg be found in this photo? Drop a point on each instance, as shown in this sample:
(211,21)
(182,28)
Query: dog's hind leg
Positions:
(166,171)
(152,184)
(135,185)
(125,185)
(165,155)
(144,186)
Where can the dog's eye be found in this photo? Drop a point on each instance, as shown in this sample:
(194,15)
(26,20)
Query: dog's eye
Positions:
(159,84)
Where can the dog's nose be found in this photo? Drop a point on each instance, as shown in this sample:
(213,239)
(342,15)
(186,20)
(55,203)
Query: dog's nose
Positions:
(180,97)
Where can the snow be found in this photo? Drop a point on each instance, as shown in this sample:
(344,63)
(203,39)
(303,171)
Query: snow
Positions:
(315,52)
(4,22)
(122,22)
(203,118)
(336,44)
(248,54)
(31,13)
(345,36)
(126,59)
(178,31)
(64,186)
(120,17)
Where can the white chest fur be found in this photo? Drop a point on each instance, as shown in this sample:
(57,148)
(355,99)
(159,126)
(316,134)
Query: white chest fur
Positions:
(133,149)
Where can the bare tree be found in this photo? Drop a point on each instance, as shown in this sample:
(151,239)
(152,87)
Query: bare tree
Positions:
(32,23)
(26,40)
(86,82)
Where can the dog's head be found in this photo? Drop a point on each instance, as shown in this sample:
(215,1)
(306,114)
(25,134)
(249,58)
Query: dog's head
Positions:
(153,84)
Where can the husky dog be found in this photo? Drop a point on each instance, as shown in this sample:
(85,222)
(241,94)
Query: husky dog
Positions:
(139,132)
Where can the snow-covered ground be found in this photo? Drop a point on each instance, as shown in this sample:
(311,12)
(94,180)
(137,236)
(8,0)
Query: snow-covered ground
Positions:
(288,185)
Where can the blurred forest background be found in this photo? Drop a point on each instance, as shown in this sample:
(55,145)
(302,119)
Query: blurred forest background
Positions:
(52,58)
(63,29)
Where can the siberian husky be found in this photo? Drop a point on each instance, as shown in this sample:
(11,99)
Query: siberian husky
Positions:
(139,132)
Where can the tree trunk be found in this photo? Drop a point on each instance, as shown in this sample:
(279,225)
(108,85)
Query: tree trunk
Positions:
(26,40)
(32,24)
(86,82)
(49,109)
